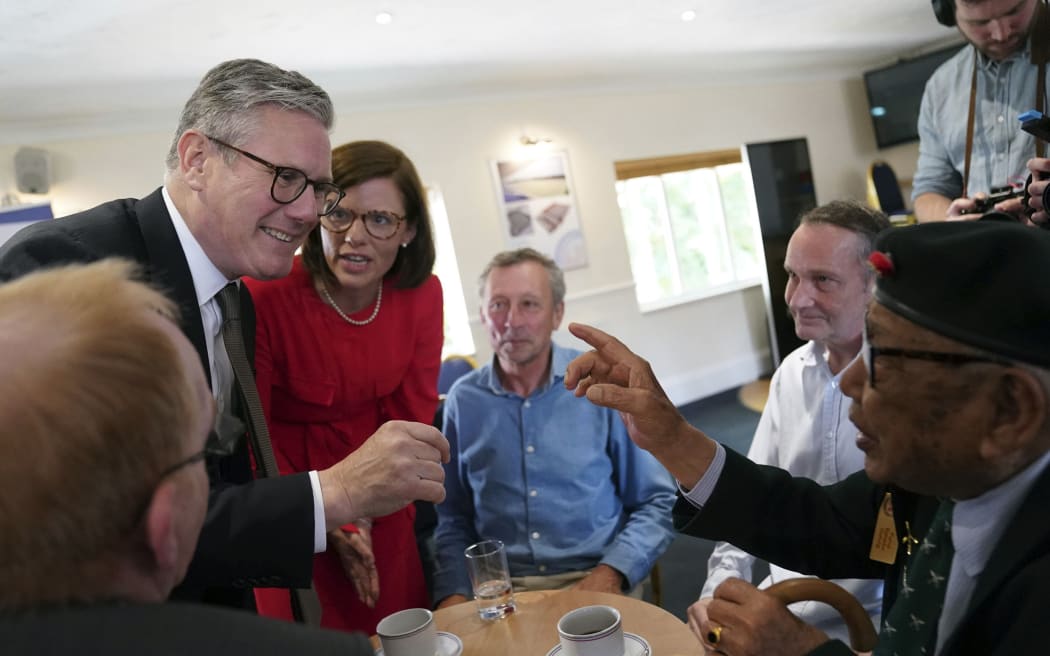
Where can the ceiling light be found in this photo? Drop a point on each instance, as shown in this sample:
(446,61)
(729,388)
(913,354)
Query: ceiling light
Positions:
(688,15)
(384,18)
(529,140)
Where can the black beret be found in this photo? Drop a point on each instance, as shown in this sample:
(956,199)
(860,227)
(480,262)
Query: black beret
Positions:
(982,283)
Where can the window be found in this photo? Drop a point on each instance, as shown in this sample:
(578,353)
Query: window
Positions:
(458,338)
(690,226)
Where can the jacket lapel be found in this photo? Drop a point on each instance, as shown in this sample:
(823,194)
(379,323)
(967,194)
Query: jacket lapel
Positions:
(1027,535)
(170,271)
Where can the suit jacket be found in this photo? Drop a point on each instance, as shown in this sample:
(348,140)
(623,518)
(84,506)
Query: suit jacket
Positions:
(257,533)
(171,629)
(827,531)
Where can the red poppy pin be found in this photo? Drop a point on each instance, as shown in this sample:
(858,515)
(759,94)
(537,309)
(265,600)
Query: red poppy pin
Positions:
(882,263)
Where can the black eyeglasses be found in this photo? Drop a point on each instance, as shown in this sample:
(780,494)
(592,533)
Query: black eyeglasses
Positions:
(225,437)
(140,513)
(222,441)
(869,353)
(378,223)
(289,184)
(196,457)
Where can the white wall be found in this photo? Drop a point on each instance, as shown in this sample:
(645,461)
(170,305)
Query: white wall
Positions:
(698,348)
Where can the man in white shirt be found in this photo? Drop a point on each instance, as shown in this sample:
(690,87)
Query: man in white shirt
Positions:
(805,427)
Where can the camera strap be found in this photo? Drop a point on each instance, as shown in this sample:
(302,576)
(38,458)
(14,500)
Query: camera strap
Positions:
(969,124)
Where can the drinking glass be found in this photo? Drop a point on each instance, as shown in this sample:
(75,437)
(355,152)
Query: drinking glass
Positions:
(490,576)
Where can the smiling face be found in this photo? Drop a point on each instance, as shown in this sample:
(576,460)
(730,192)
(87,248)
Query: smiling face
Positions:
(240,227)
(828,284)
(519,313)
(998,28)
(358,260)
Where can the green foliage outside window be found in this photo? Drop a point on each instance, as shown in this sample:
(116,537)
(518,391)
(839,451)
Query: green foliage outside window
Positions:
(689,232)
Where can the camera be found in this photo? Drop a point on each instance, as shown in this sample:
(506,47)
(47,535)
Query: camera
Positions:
(1035,124)
(1038,125)
(996,195)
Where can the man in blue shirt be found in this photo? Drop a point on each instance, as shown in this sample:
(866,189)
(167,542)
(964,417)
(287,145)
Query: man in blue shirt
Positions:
(1001,72)
(555,478)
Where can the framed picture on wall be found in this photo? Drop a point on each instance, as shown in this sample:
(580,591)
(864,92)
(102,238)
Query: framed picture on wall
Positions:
(538,207)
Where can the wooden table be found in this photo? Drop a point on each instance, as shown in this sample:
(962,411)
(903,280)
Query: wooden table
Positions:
(532,630)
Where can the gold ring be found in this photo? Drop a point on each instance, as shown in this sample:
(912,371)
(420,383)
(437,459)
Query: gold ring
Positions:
(714,635)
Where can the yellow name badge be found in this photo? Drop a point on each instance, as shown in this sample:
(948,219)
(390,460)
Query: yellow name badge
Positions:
(884,542)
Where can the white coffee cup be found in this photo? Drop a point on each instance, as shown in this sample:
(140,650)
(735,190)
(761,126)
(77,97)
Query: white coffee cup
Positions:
(591,631)
(408,633)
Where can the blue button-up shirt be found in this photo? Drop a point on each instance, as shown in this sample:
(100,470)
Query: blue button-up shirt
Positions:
(555,477)
(1000,148)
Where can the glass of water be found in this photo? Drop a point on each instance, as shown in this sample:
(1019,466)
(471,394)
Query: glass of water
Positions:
(490,576)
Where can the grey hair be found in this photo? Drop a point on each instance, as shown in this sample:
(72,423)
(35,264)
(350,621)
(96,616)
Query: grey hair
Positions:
(859,219)
(224,103)
(510,258)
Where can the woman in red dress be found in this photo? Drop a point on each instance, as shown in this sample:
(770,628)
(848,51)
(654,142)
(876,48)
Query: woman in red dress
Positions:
(350,339)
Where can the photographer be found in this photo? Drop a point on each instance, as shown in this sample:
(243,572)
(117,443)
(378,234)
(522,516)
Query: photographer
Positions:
(969,146)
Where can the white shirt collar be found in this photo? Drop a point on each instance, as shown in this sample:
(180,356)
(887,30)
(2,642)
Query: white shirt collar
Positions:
(207,279)
(817,356)
(977,524)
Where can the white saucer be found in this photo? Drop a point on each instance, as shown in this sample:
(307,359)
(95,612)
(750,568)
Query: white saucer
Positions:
(633,645)
(449,644)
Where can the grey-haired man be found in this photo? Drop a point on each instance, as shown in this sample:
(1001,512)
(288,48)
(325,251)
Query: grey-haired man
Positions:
(248,175)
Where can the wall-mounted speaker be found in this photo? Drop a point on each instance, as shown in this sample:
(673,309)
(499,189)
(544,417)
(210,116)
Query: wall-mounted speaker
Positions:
(33,170)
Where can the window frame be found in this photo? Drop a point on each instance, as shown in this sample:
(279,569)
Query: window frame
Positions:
(658,167)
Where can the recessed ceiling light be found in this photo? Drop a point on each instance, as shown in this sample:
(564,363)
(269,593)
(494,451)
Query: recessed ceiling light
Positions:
(688,15)
(384,18)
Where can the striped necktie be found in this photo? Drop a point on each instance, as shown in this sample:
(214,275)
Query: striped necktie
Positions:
(305,605)
(233,338)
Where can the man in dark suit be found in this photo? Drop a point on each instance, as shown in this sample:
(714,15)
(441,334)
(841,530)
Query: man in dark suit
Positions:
(105,414)
(952,404)
(248,174)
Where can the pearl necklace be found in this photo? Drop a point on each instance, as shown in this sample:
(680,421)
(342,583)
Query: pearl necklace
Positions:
(355,322)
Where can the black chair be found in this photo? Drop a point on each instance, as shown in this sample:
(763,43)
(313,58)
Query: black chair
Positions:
(884,193)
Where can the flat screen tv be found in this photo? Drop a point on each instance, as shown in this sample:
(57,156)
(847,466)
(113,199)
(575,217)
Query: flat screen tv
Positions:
(895,93)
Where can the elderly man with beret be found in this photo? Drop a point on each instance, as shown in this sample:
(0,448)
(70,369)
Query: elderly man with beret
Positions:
(951,404)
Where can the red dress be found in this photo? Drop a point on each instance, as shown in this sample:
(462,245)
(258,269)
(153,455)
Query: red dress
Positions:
(326,386)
